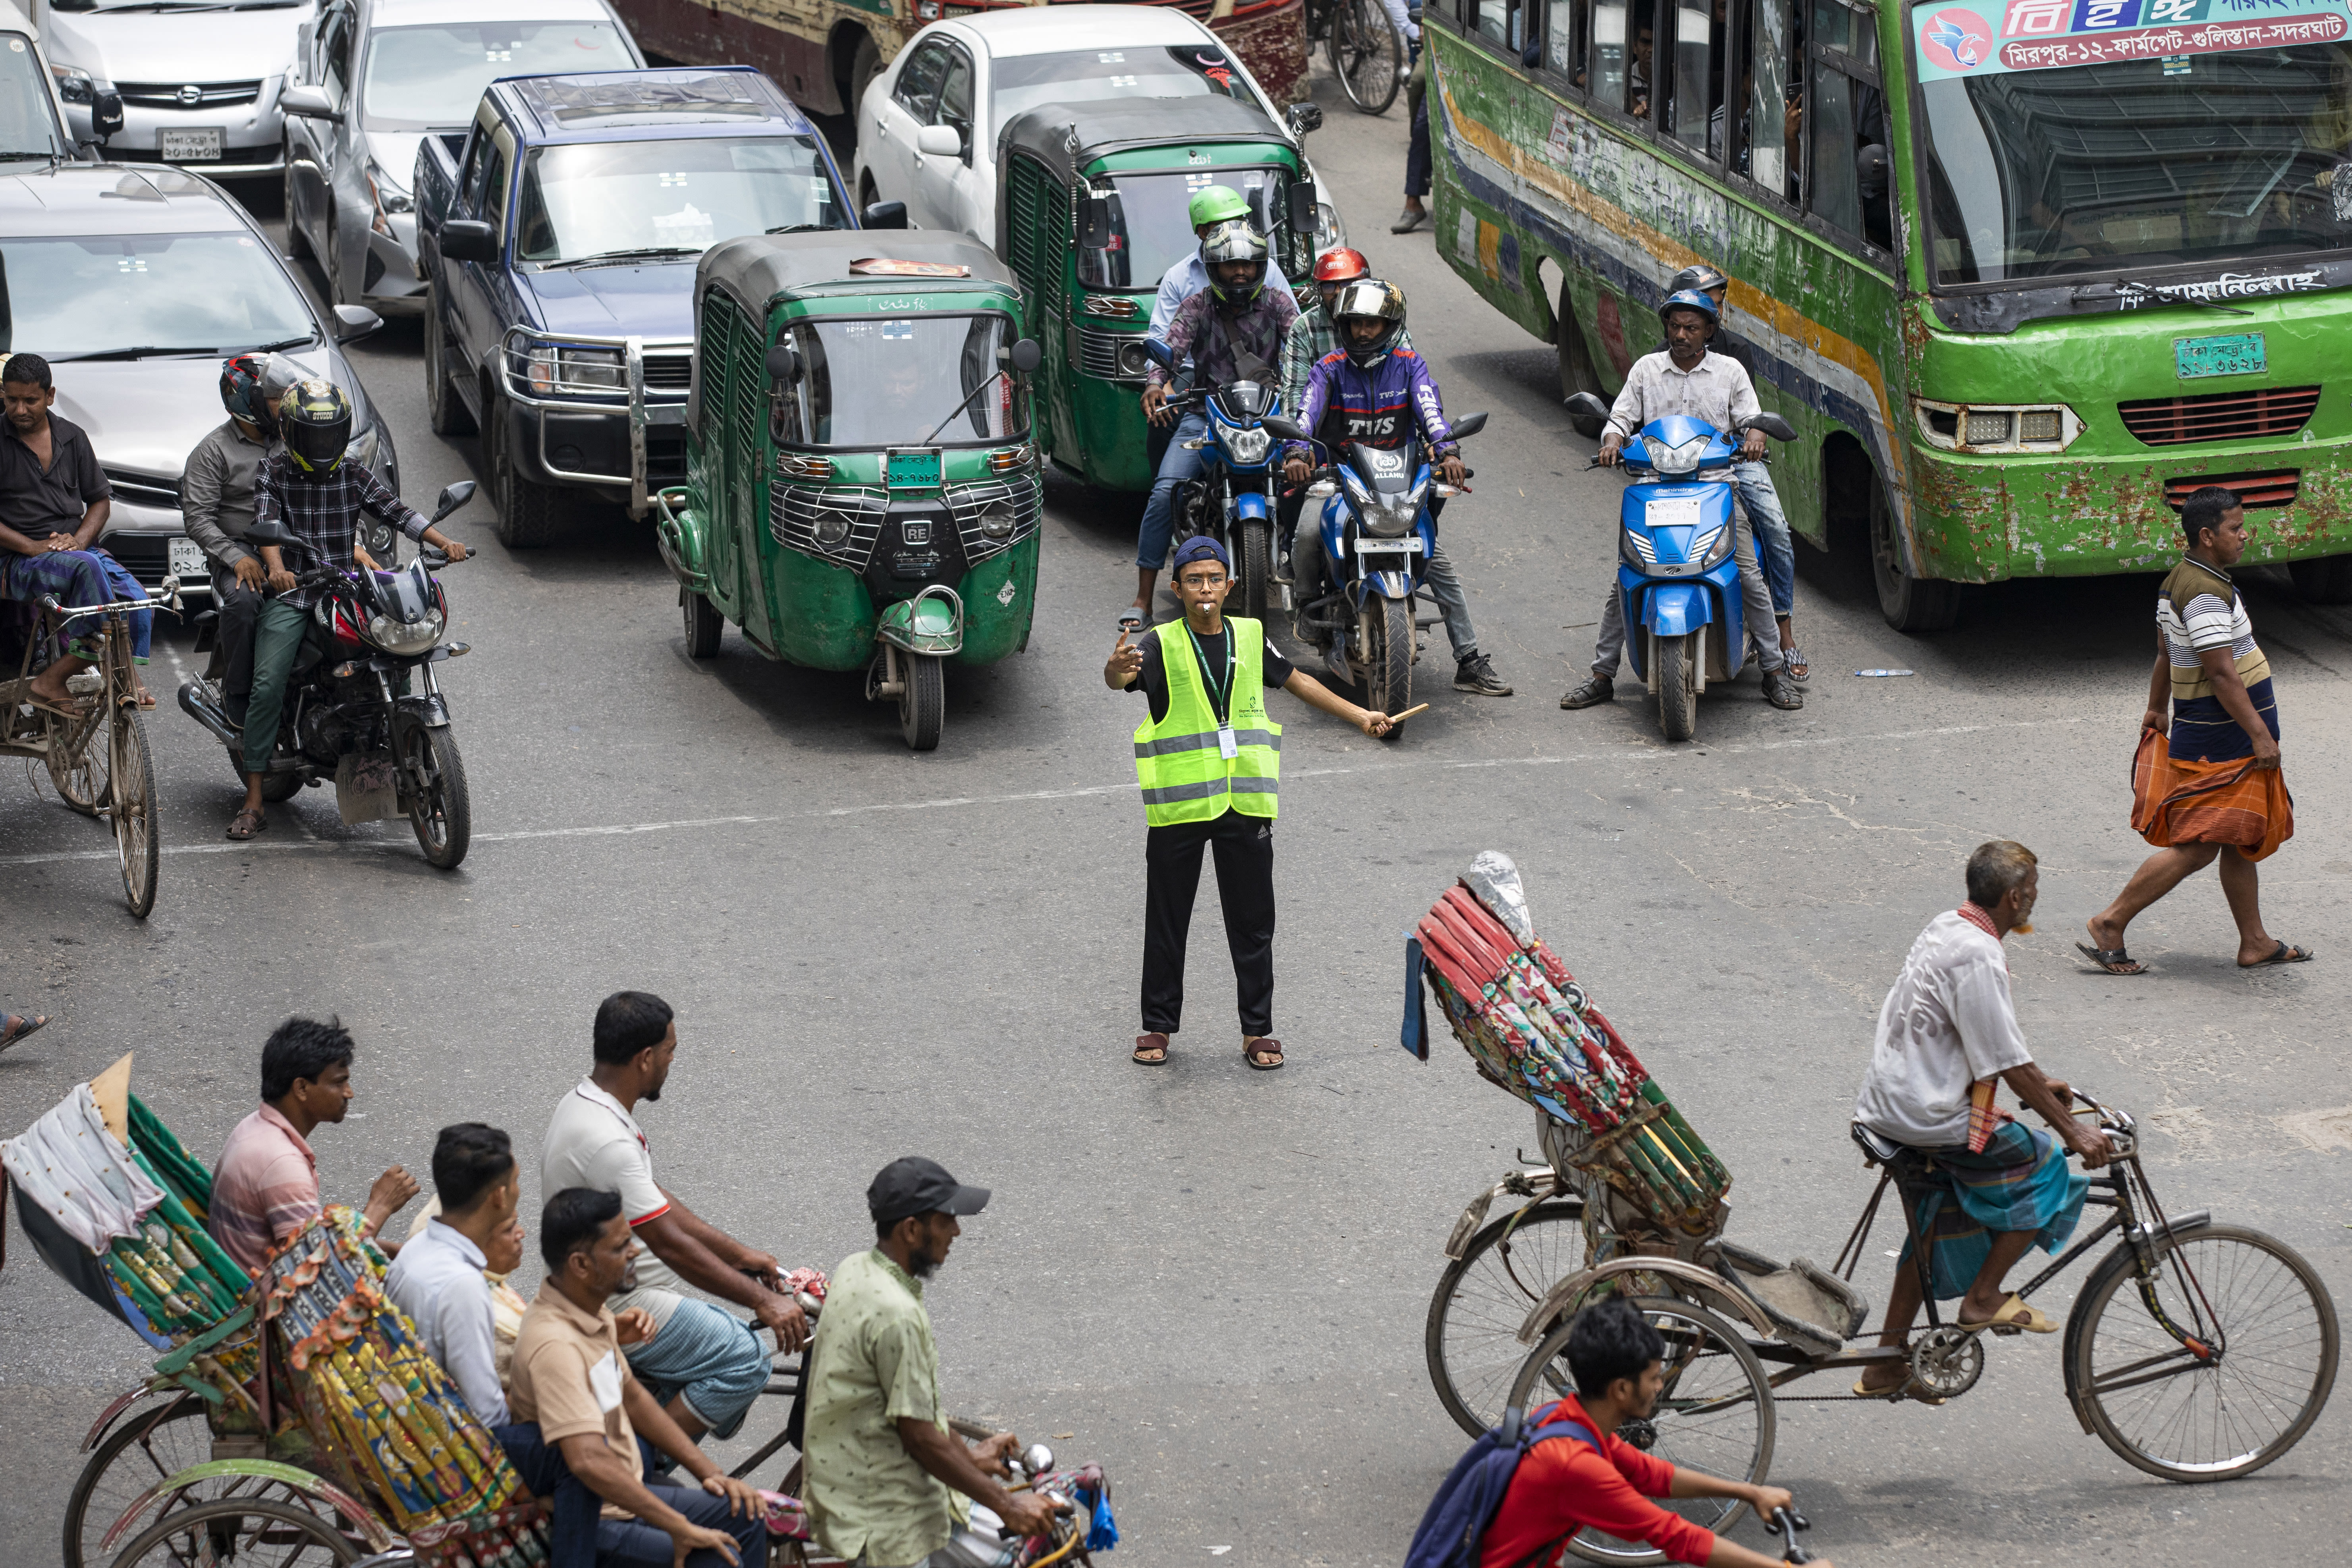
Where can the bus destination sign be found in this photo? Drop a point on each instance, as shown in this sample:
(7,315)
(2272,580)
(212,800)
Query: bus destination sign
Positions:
(1989,37)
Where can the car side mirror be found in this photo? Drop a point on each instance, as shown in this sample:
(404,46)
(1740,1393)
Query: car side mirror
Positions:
(105,113)
(784,364)
(938,142)
(1094,223)
(1468,424)
(1772,425)
(452,498)
(267,533)
(353,322)
(468,239)
(309,103)
(1027,356)
(884,215)
(1303,118)
(1159,353)
(1288,429)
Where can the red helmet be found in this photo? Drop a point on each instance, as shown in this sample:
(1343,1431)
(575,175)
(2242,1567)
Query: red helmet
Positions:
(1341,265)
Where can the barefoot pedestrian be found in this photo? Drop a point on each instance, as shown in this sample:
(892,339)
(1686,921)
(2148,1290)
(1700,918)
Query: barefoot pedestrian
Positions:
(2207,782)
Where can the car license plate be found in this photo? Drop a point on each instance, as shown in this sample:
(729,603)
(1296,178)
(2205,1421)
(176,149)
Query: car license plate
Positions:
(191,146)
(2233,354)
(188,560)
(1409,545)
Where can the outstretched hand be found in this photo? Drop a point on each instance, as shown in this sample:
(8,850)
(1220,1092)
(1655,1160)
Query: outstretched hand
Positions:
(1373,724)
(1126,662)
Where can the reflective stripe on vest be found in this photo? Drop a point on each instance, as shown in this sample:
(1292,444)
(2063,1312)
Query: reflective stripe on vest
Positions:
(1176,762)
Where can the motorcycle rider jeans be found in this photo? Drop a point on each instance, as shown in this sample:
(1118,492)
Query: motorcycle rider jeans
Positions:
(240,611)
(1755,600)
(711,1356)
(1307,564)
(1159,511)
(1753,483)
(1171,859)
(277,634)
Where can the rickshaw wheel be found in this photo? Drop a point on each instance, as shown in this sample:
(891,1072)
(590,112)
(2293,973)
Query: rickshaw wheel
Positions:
(703,624)
(78,761)
(1471,1339)
(134,810)
(148,1444)
(245,1531)
(1716,1413)
(923,700)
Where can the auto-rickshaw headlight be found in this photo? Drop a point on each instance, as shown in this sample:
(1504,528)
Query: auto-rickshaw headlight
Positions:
(832,528)
(1132,360)
(999,520)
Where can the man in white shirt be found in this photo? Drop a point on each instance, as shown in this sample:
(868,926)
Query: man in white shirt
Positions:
(1690,379)
(705,1364)
(1946,1026)
(437,1278)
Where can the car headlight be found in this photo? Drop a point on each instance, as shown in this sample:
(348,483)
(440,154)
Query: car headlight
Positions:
(74,84)
(831,528)
(405,637)
(556,371)
(364,447)
(389,196)
(1247,446)
(998,520)
(1681,459)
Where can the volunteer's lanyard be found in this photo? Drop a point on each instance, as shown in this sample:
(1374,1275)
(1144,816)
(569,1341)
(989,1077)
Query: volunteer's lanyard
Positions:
(1221,699)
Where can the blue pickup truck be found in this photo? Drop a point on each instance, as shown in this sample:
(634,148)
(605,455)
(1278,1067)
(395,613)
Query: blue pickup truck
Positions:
(559,234)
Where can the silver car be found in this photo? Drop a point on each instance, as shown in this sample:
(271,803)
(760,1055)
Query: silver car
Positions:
(199,79)
(375,78)
(134,283)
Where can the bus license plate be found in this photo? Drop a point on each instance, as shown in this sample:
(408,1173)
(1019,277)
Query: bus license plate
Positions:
(2233,354)
(1409,545)
(188,559)
(191,146)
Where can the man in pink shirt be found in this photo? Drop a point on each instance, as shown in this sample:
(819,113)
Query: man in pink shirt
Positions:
(266,1184)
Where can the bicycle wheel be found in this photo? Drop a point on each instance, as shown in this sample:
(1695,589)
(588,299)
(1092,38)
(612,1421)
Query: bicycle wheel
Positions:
(1715,1414)
(248,1532)
(1472,1340)
(2190,1418)
(1367,55)
(134,809)
(78,761)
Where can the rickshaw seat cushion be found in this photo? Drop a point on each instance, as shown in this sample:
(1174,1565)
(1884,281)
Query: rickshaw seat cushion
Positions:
(1815,1312)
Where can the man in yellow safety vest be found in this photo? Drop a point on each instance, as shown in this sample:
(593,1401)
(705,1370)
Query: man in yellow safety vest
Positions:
(1208,758)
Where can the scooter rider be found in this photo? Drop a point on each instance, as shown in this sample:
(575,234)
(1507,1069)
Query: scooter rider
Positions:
(216,508)
(1688,379)
(1375,390)
(311,487)
(1753,483)
(1311,337)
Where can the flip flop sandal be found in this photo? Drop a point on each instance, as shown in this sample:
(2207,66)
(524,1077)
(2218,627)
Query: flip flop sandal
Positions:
(34,1024)
(1800,667)
(1897,1394)
(245,824)
(1154,1042)
(2283,953)
(1130,620)
(2016,1315)
(2114,960)
(1264,1045)
(72,708)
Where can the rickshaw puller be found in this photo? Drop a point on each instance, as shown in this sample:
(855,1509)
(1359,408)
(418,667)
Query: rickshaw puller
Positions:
(1946,1032)
(1208,759)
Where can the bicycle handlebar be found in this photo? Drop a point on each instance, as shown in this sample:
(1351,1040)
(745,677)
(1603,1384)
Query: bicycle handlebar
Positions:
(1785,1523)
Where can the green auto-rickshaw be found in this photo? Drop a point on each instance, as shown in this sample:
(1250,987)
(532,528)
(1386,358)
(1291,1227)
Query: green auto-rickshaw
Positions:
(1092,207)
(861,489)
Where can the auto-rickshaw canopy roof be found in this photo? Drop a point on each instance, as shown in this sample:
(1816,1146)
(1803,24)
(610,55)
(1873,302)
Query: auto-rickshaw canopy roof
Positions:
(1066,137)
(760,268)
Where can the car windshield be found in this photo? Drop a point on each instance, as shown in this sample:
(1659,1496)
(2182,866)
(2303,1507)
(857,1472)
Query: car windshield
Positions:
(888,383)
(2130,163)
(587,200)
(28,125)
(417,77)
(193,293)
(1151,221)
(1024,82)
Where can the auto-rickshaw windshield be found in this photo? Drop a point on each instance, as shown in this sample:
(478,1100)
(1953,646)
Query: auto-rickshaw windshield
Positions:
(889,382)
(1151,222)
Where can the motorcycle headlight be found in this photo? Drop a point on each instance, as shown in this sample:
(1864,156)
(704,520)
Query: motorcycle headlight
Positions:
(997,522)
(1392,515)
(1682,460)
(1247,446)
(397,637)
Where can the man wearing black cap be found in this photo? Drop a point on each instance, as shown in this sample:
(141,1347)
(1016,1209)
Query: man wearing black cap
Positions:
(883,1473)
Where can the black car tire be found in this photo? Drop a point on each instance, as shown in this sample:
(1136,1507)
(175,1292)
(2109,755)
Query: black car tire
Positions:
(445,410)
(529,515)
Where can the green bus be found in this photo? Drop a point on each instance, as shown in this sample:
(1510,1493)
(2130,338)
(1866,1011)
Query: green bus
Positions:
(2022,273)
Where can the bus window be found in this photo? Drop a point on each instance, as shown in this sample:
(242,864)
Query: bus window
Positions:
(1643,21)
(1571,42)
(1836,192)
(1694,111)
(1769,149)
(1608,85)
(1496,21)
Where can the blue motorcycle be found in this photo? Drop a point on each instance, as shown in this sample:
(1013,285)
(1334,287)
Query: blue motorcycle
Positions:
(1233,501)
(1676,572)
(1371,515)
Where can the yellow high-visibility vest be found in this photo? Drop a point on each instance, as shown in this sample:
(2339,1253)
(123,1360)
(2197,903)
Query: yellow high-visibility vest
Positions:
(1185,773)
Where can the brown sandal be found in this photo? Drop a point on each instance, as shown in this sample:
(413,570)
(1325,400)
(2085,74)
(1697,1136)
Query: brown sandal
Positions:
(1156,1045)
(1263,1046)
(245,824)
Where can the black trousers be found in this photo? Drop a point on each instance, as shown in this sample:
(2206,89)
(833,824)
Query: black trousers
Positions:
(1171,858)
(240,610)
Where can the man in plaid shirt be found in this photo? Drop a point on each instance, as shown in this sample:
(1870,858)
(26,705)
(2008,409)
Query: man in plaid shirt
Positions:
(318,496)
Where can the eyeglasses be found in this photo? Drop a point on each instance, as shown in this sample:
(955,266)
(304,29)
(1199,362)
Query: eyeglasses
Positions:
(1202,580)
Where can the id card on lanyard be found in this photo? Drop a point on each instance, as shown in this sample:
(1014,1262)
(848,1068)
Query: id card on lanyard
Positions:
(1221,699)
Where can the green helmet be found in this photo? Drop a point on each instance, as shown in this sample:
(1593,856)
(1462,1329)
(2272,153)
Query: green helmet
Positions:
(1217,204)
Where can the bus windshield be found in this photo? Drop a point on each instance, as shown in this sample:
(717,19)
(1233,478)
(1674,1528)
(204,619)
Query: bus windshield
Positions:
(2136,161)
(1151,222)
(893,383)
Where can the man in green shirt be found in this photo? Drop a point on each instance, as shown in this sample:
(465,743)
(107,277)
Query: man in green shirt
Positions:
(883,1471)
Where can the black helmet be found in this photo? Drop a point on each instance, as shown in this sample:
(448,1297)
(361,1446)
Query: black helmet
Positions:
(1383,302)
(1235,241)
(314,420)
(251,386)
(1701,277)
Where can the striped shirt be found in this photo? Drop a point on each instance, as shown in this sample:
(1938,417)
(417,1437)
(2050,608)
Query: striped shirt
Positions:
(266,1189)
(2198,611)
(324,517)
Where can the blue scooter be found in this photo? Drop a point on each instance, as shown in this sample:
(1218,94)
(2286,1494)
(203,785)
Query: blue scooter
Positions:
(1371,514)
(1677,575)
(1233,501)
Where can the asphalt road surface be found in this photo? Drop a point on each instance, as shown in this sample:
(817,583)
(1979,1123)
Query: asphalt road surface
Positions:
(1213,1280)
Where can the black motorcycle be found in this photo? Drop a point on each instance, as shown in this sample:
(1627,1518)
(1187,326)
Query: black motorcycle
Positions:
(350,714)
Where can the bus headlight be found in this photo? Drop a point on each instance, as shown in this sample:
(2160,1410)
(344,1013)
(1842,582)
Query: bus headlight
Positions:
(1997,426)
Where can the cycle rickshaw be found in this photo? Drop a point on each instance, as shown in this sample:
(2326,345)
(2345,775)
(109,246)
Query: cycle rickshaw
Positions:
(2196,1350)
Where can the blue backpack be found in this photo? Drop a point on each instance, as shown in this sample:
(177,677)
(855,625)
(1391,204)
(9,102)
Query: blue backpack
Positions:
(1466,1503)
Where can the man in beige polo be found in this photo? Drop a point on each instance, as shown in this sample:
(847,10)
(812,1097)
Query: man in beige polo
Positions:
(572,1380)
(883,1470)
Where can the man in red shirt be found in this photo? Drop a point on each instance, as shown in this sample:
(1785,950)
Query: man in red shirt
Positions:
(1563,1485)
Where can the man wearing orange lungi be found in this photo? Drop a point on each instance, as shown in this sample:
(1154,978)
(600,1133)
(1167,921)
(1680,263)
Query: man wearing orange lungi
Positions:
(2206,783)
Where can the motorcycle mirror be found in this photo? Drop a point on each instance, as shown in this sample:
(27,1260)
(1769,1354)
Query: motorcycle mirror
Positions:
(1772,425)
(452,498)
(1585,405)
(784,364)
(1094,223)
(1027,356)
(269,534)
(1302,207)
(885,215)
(1303,118)
(1288,429)
(1468,424)
(1160,354)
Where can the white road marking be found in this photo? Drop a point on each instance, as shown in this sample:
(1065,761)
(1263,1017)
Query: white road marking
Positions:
(1638,753)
